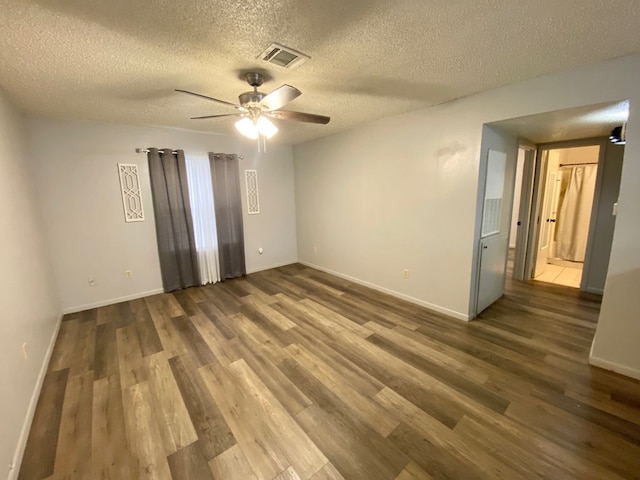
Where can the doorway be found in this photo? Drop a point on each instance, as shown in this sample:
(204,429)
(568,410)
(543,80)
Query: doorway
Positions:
(567,192)
(534,134)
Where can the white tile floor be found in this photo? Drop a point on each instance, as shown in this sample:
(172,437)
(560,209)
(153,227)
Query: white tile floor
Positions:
(568,276)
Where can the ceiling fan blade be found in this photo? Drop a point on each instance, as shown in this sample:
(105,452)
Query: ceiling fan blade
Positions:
(217,116)
(209,98)
(280,97)
(299,116)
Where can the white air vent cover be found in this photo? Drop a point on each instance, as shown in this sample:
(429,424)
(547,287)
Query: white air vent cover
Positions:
(283,56)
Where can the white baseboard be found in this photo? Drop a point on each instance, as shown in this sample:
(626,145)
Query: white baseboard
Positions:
(408,298)
(31,410)
(111,301)
(614,367)
(269,267)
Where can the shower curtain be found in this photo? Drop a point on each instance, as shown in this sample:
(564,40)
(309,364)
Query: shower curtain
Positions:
(575,212)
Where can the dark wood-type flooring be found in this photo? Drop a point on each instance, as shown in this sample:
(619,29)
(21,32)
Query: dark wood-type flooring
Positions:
(295,374)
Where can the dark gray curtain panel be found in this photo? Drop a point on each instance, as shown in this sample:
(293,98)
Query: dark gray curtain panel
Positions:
(174,225)
(228,206)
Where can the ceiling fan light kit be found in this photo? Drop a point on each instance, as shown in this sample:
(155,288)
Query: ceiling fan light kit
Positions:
(255,107)
(254,128)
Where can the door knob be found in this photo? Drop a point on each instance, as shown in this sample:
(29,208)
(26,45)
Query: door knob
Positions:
(484,247)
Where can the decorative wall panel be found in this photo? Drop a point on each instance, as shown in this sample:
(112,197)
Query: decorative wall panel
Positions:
(253,199)
(131,195)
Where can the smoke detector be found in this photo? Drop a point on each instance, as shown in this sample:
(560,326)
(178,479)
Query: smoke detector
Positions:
(282,56)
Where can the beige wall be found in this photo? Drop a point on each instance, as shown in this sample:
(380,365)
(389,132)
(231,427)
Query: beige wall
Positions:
(74,168)
(401,193)
(30,307)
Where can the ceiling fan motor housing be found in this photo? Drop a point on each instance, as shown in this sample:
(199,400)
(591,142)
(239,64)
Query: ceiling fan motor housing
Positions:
(250,98)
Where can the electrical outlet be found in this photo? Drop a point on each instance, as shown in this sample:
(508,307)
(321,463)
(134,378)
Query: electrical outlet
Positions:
(128,274)
(315,250)
(92,281)
(405,273)
(24,351)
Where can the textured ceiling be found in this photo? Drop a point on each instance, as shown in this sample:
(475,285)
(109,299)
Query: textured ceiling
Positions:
(120,60)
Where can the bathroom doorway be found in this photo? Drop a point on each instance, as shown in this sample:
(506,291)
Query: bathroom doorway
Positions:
(567,202)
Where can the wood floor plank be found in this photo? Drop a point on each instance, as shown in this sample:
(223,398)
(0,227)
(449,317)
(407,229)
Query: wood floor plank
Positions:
(593,443)
(194,341)
(254,438)
(353,453)
(171,414)
(328,472)
(440,437)
(444,375)
(186,302)
(366,409)
(295,373)
(220,346)
(279,320)
(161,313)
(412,383)
(84,351)
(288,474)
(218,319)
(283,389)
(40,451)
(106,351)
(543,455)
(342,430)
(303,455)
(73,455)
(148,461)
(63,352)
(410,342)
(110,453)
(206,417)
(149,340)
(131,364)
(232,464)
(189,463)
(413,472)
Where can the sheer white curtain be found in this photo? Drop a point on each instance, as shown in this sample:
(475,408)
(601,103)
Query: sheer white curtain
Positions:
(575,212)
(204,217)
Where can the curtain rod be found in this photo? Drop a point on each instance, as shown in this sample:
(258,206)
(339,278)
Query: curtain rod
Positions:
(146,150)
(574,164)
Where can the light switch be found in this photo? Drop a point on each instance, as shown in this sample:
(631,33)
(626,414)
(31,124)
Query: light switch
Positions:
(615,209)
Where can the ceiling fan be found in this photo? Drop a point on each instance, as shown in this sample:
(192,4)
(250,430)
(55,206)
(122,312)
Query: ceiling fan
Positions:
(255,107)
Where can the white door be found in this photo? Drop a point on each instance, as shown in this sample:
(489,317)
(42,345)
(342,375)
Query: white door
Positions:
(548,220)
(493,260)
(494,241)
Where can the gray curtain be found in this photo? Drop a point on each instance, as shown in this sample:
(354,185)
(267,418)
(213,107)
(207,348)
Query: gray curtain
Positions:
(174,225)
(228,206)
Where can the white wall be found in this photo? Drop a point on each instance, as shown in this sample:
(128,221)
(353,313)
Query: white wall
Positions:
(30,307)
(610,170)
(74,168)
(401,193)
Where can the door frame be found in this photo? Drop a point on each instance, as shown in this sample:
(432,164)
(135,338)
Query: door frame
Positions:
(538,195)
(524,210)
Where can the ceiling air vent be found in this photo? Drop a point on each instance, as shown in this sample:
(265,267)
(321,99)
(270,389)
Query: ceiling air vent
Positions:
(283,56)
